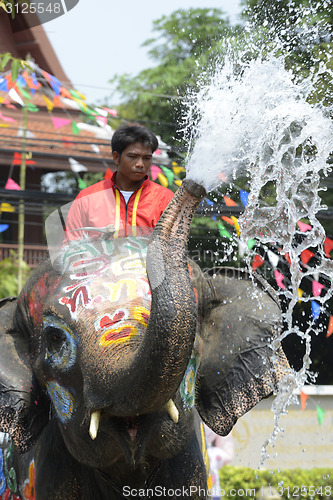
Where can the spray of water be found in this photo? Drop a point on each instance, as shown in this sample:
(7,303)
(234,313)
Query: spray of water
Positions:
(254,118)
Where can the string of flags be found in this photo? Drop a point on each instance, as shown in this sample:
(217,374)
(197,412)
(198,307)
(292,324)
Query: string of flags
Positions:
(319,410)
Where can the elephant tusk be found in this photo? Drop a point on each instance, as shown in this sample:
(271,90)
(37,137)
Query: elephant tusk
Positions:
(172,410)
(94,424)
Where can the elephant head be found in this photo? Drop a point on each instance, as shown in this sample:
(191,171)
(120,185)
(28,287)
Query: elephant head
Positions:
(121,333)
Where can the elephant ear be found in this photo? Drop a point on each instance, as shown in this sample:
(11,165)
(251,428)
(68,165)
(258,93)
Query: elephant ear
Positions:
(241,318)
(23,409)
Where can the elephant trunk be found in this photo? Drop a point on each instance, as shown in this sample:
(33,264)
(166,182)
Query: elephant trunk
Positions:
(152,372)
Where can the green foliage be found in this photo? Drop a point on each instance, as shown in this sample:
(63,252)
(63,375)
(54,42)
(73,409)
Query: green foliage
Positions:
(287,483)
(15,64)
(90,178)
(9,275)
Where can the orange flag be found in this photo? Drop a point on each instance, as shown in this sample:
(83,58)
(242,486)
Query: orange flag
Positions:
(306,255)
(330,327)
(304,397)
(229,202)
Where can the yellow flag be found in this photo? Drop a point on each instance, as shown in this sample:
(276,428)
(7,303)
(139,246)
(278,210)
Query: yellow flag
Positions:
(238,231)
(49,103)
(6,207)
(163,180)
(178,182)
(177,170)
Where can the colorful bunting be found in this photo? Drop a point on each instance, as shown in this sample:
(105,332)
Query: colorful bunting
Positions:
(15,97)
(306,255)
(112,112)
(330,327)
(304,397)
(178,182)
(6,207)
(227,219)
(304,227)
(10,184)
(300,295)
(154,171)
(162,180)
(108,173)
(3,227)
(273,258)
(328,247)
(257,262)
(81,183)
(316,309)
(222,230)
(229,202)
(279,279)
(76,166)
(17,159)
(237,228)
(244,197)
(177,170)
(251,243)
(320,415)
(7,119)
(209,202)
(49,103)
(60,122)
(317,288)
(75,128)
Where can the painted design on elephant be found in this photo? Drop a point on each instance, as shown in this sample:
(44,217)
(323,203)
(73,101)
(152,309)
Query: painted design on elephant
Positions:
(118,327)
(29,488)
(80,296)
(205,457)
(130,264)
(65,358)
(38,294)
(83,249)
(187,386)
(123,289)
(8,482)
(62,399)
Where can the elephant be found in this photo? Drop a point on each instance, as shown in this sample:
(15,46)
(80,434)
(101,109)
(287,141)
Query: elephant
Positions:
(112,357)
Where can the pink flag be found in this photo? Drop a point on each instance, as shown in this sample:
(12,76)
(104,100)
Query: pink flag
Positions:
(328,246)
(279,279)
(303,227)
(317,288)
(60,122)
(155,170)
(10,184)
(111,111)
(7,118)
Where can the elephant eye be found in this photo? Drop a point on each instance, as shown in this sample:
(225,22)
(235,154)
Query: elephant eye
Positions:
(55,339)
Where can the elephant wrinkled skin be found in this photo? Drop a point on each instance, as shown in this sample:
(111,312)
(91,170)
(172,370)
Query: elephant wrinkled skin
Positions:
(111,357)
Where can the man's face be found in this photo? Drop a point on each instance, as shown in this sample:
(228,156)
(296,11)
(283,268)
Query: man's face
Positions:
(132,165)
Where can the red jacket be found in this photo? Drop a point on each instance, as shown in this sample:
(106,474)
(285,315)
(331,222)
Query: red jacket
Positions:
(102,204)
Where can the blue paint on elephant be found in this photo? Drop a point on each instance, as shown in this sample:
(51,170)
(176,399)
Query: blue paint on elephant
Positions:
(187,386)
(64,358)
(2,474)
(63,401)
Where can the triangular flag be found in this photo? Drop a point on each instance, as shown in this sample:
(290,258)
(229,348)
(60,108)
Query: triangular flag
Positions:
(7,119)
(316,309)
(178,182)
(75,128)
(317,288)
(81,184)
(328,247)
(112,112)
(273,258)
(154,171)
(227,219)
(102,120)
(229,202)
(279,279)
(168,174)
(6,207)
(330,327)
(31,107)
(108,173)
(3,85)
(306,255)
(76,166)
(209,202)
(250,243)
(178,170)
(320,415)
(49,103)
(303,227)
(15,97)
(304,397)
(257,262)
(300,294)
(60,122)
(157,152)
(3,227)
(222,230)
(237,228)
(162,180)
(244,197)
(10,184)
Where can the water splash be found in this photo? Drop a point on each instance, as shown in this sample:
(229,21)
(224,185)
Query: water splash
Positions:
(254,118)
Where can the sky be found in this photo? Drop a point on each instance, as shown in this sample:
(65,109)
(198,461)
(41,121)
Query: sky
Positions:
(95,43)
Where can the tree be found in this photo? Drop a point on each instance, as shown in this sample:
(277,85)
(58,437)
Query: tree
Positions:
(184,49)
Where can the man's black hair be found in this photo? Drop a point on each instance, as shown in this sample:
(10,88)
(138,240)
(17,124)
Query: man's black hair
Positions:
(126,135)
